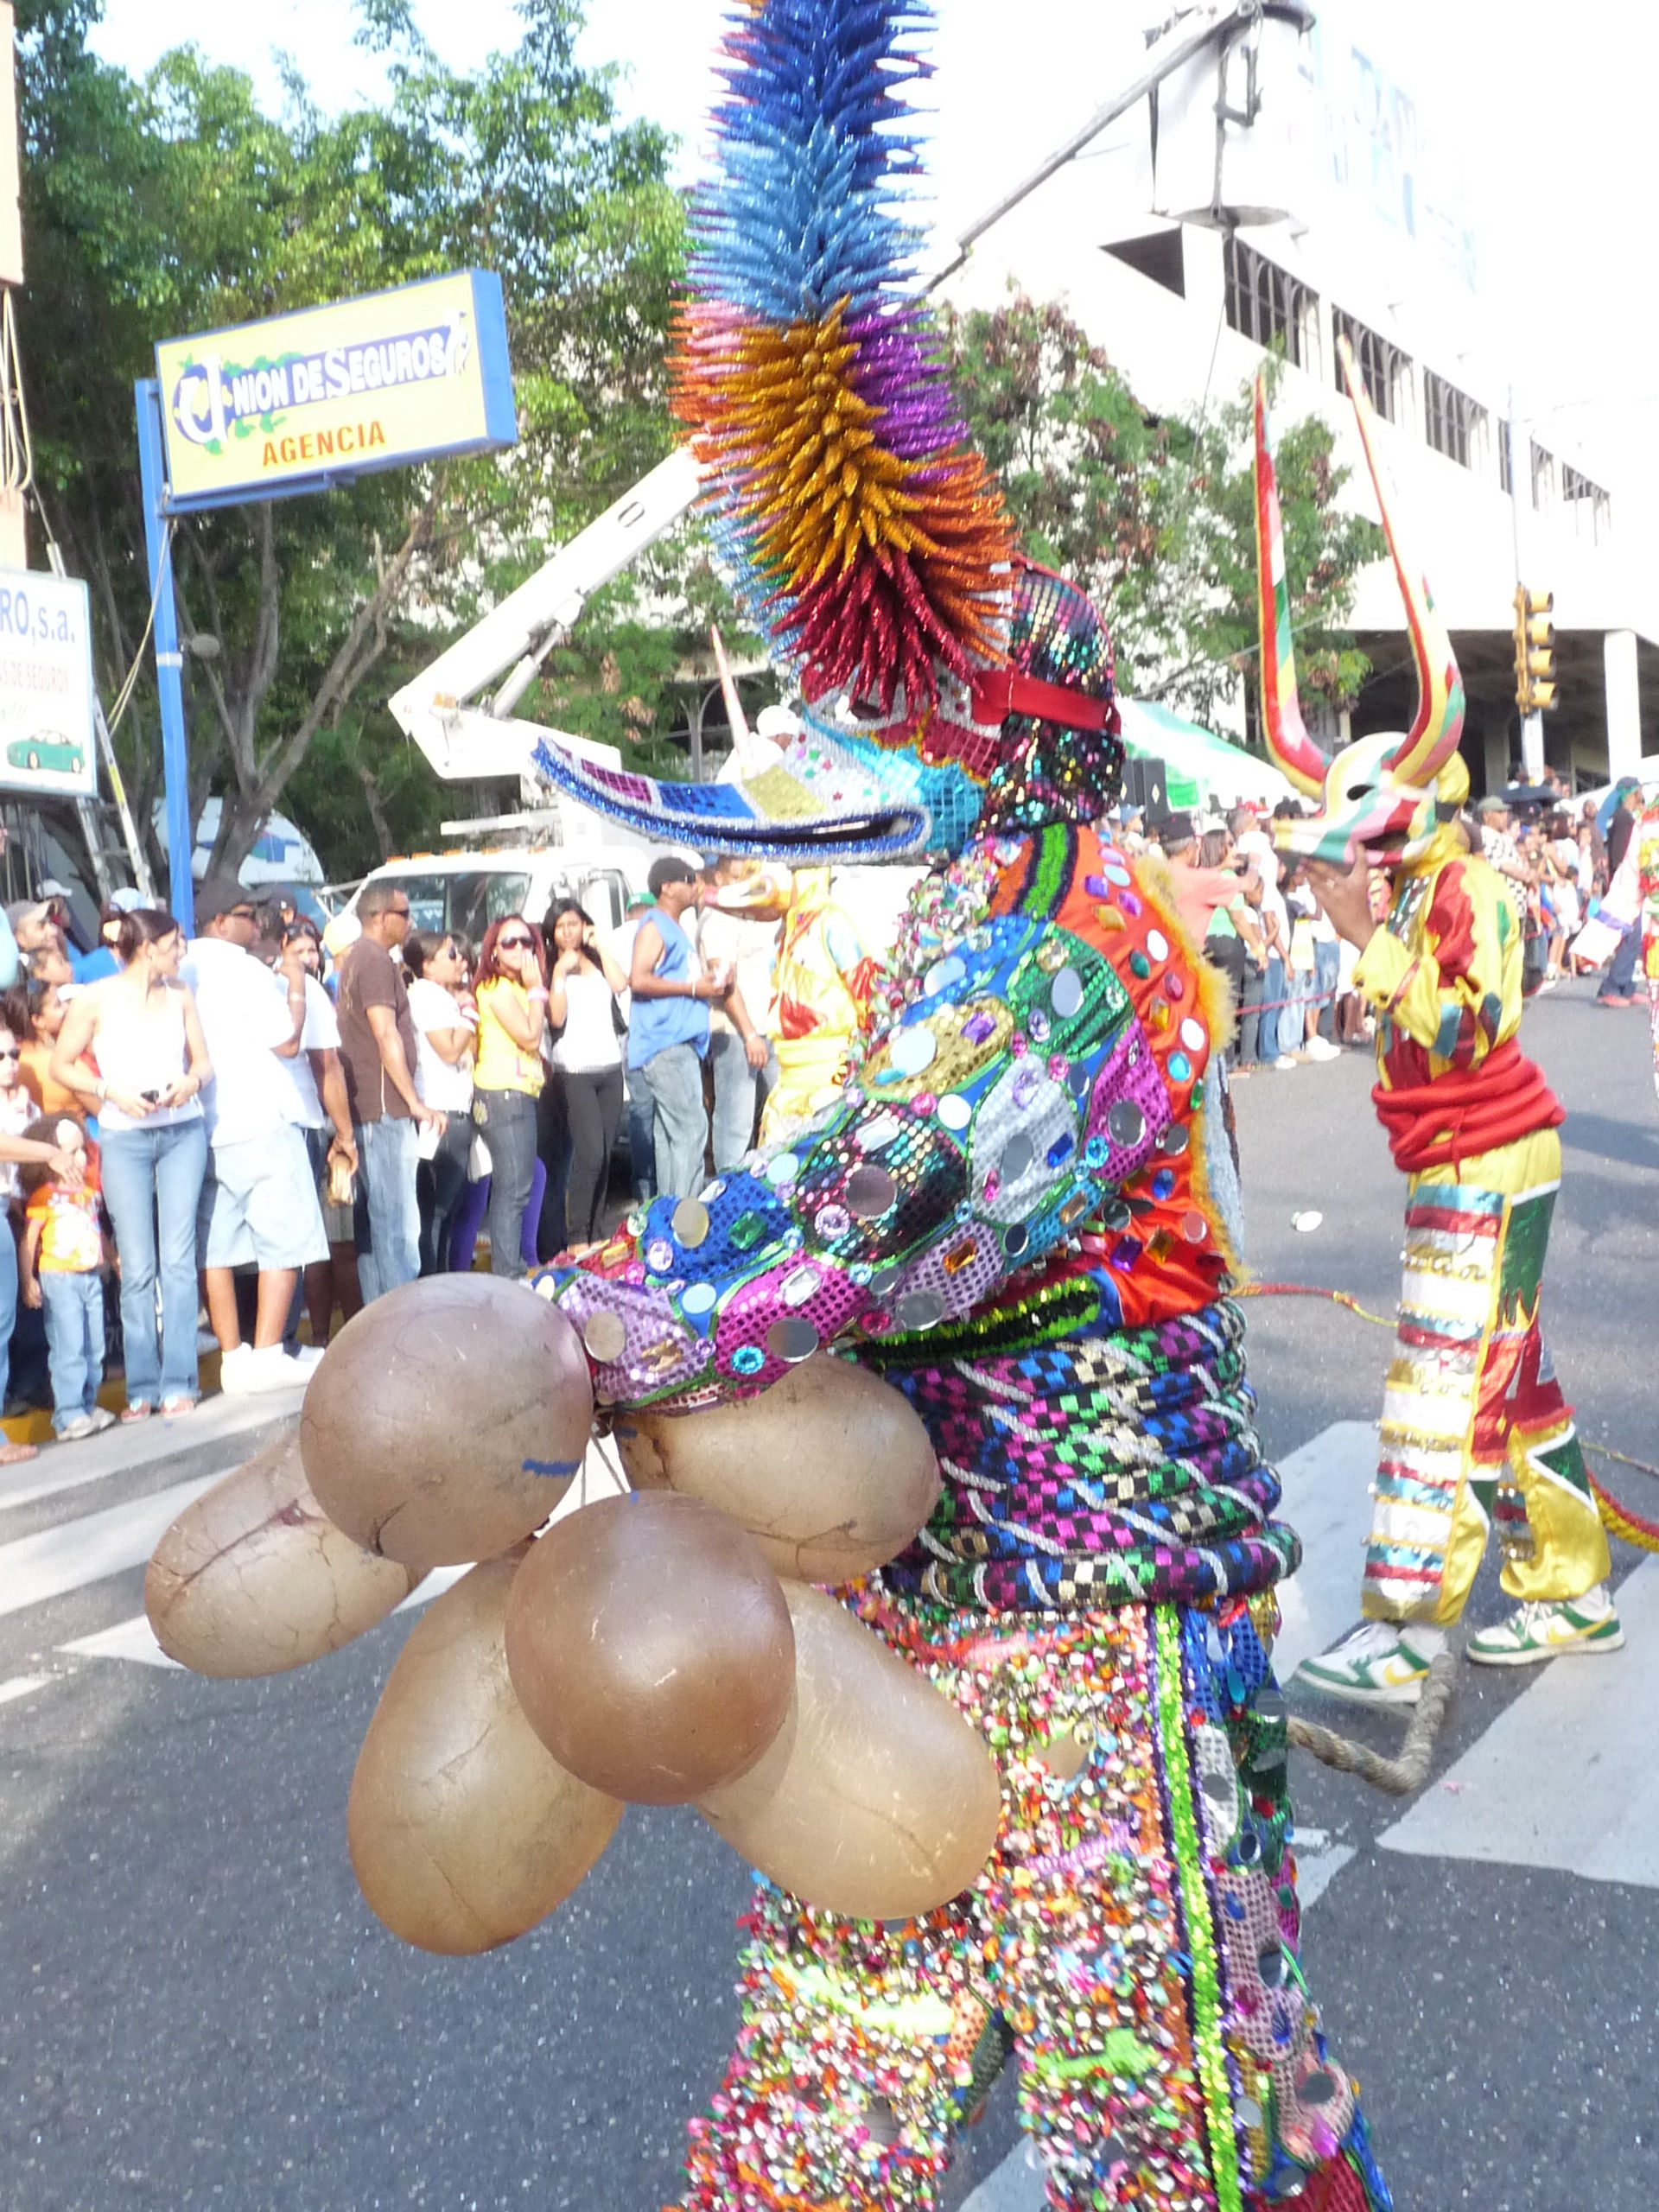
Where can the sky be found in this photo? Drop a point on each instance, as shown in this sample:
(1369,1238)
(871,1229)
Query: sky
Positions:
(1543,112)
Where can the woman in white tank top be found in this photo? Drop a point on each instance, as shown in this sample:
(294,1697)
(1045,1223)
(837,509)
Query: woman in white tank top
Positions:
(142,1031)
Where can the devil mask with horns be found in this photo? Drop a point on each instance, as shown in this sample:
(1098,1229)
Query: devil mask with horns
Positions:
(1384,797)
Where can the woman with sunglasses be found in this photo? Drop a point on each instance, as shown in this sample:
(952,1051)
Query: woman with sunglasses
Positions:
(142,1029)
(443,1075)
(507,1077)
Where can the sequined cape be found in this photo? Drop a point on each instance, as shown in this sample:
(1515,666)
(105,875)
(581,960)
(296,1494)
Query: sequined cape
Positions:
(1016,1172)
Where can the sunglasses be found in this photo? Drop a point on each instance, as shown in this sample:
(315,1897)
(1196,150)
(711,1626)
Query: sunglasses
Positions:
(514,944)
(10,1052)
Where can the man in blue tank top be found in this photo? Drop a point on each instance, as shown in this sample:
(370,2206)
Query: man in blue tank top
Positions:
(668,1028)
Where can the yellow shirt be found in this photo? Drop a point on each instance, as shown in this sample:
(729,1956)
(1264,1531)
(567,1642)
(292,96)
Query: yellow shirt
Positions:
(502,1064)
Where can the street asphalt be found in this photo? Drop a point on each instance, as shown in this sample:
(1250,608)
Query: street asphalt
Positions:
(197,2009)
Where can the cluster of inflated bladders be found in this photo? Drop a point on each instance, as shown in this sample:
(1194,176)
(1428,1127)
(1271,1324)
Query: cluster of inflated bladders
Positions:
(661,1647)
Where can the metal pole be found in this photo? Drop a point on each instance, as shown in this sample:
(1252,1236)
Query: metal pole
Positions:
(1169,58)
(170,661)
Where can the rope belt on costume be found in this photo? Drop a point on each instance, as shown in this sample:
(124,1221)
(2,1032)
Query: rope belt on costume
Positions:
(1109,1469)
(1462,1113)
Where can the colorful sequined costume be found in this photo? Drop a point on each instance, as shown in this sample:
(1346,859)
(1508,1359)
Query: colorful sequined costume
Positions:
(1474,1425)
(1009,1213)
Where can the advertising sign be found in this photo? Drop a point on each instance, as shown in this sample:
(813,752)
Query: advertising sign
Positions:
(46,686)
(302,400)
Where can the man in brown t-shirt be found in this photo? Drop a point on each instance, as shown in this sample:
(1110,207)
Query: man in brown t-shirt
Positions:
(376,1045)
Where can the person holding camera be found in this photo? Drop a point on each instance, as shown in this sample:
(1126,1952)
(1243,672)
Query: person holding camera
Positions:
(142,1028)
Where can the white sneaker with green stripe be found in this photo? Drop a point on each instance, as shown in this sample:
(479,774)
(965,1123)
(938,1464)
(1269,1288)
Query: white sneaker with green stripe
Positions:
(1380,1663)
(1550,1628)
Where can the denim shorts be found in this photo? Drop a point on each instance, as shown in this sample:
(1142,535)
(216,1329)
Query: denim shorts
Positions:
(259,1205)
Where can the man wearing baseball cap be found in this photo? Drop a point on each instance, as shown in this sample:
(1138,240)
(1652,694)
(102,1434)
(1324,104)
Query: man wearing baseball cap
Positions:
(668,1027)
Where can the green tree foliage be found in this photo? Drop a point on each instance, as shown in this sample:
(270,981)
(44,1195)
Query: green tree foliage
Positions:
(1156,518)
(158,207)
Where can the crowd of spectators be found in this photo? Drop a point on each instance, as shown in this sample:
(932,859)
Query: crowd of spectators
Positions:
(242,1128)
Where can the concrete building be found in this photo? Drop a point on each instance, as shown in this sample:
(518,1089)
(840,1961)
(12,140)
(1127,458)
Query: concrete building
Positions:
(1274,192)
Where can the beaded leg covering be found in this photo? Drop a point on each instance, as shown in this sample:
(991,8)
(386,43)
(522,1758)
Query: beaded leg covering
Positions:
(1475,1429)
(1132,1937)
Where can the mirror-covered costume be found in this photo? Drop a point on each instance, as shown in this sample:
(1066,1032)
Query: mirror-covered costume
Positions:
(1017,1213)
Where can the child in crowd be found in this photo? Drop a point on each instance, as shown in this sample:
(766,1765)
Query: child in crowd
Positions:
(63,1261)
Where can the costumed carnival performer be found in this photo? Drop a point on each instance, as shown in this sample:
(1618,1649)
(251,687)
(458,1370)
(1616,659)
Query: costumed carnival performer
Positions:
(1011,1214)
(1475,1429)
(961,1348)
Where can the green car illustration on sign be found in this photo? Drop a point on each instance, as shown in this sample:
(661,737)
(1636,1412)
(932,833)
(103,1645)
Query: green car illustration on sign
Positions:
(47,750)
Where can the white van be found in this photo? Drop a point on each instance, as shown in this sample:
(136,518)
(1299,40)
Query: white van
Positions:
(465,891)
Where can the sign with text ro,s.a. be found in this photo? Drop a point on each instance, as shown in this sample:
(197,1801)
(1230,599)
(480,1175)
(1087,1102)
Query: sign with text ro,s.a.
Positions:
(46,685)
(302,400)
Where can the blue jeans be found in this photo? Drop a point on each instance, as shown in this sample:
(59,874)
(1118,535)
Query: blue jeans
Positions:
(386,1212)
(506,1120)
(674,1078)
(152,1181)
(8,1297)
(75,1337)
(1328,966)
(1273,989)
(1620,979)
(642,1149)
(737,1086)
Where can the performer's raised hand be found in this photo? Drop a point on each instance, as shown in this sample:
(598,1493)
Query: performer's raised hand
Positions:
(1346,895)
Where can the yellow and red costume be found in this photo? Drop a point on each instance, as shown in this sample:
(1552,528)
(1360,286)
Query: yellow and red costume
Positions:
(1471,1407)
(1473,1422)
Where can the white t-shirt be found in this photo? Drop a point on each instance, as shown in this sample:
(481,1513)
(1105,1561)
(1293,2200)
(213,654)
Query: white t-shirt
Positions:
(320,1035)
(244,1009)
(1258,846)
(446,1089)
(589,1041)
(751,947)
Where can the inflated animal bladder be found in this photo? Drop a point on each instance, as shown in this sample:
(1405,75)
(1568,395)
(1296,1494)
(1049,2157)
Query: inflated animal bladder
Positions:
(876,1799)
(447,1419)
(253,1577)
(464,1830)
(831,1470)
(651,1646)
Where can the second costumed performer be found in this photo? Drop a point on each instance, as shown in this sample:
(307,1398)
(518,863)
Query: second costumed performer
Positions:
(1012,1215)
(1475,1429)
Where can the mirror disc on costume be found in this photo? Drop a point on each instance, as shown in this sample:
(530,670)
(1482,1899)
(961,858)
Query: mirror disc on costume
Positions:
(1016,1159)
(1157,944)
(783,1170)
(1194,1036)
(918,1309)
(1194,1227)
(793,1338)
(699,1298)
(1174,1137)
(1126,1124)
(942,974)
(1066,994)
(1015,1238)
(606,1337)
(914,1049)
(1116,1214)
(690,1222)
(870,1191)
(955,1111)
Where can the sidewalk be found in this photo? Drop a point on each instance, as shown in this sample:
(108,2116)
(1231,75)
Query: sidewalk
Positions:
(152,1454)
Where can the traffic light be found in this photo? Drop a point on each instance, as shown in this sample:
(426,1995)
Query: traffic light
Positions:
(1535,650)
